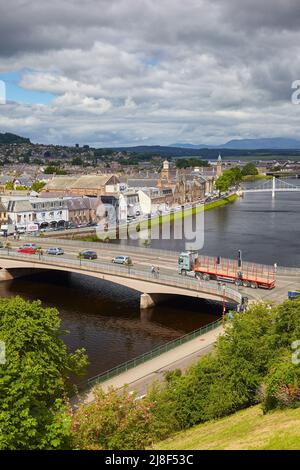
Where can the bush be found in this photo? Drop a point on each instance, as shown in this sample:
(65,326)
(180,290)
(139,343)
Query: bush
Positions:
(115,420)
(281,387)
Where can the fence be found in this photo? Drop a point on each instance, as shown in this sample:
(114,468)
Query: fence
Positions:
(281,270)
(147,356)
(127,272)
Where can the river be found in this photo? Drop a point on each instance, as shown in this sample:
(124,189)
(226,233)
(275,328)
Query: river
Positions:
(266,230)
(106,319)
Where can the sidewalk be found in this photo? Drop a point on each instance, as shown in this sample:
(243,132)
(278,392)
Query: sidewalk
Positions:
(162,361)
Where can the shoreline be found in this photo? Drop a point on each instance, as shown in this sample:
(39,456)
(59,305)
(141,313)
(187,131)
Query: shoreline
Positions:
(161,219)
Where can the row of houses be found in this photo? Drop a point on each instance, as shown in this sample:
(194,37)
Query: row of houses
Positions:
(89,199)
(24,212)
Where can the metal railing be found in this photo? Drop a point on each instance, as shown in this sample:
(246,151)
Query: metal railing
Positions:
(101,245)
(193,284)
(147,356)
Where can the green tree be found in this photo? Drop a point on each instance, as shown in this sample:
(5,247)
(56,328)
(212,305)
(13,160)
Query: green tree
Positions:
(33,380)
(228,178)
(77,161)
(222,184)
(51,169)
(9,185)
(37,186)
(249,169)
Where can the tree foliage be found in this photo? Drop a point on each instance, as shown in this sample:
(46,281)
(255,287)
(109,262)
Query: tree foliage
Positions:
(249,169)
(34,377)
(37,186)
(229,178)
(190,162)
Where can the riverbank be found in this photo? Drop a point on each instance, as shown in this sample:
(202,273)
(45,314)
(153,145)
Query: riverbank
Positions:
(171,217)
(251,178)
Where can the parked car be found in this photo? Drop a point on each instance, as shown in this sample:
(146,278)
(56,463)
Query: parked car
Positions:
(29,248)
(88,254)
(122,260)
(54,251)
(71,225)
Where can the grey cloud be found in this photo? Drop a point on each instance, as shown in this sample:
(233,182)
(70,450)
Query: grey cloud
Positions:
(195,69)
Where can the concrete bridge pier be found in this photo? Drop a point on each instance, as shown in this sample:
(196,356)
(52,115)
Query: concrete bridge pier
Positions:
(5,275)
(150,300)
(147,301)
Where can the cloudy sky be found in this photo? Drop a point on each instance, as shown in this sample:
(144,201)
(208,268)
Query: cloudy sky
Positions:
(134,72)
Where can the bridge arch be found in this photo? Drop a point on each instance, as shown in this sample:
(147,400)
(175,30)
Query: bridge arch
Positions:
(152,290)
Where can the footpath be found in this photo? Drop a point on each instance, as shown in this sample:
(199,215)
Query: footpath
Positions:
(144,374)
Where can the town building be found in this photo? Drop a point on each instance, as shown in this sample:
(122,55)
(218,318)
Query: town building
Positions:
(86,185)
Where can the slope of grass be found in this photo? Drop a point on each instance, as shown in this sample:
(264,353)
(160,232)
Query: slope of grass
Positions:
(246,430)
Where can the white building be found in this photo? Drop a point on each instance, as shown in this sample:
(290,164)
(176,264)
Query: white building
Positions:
(42,211)
(129,205)
(53,212)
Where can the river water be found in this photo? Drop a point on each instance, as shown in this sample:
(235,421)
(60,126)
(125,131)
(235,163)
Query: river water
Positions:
(266,230)
(106,319)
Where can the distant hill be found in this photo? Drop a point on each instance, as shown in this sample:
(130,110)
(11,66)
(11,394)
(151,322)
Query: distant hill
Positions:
(8,138)
(273,143)
(163,151)
(210,153)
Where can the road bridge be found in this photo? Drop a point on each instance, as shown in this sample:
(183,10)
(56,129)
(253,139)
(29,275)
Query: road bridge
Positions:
(153,289)
(143,258)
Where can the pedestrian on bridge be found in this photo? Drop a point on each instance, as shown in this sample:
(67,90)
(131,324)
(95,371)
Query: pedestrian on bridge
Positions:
(157,272)
(152,270)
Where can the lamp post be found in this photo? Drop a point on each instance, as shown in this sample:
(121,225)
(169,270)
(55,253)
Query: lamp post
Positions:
(240,258)
(223,307)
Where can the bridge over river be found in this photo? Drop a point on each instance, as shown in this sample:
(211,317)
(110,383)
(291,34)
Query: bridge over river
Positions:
(272,186)
(138,277)
(153,289)
(140,373)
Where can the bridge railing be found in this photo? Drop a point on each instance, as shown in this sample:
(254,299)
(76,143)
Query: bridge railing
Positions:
(98,245)
(93,266)
(147,356)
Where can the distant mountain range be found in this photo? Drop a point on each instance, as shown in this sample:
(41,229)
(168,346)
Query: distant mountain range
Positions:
(8,138)
(275,143)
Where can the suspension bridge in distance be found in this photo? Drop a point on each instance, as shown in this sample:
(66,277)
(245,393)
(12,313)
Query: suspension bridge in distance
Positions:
(272,186)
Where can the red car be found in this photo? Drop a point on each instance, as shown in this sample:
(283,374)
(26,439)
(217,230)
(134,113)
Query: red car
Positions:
(28,248)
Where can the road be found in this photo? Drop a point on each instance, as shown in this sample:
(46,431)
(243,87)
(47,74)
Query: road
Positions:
(144,258)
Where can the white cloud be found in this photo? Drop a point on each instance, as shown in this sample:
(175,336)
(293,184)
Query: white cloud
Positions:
(156,71)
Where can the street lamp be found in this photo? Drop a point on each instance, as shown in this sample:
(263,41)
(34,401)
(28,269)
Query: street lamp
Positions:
(240,258)
(223,307)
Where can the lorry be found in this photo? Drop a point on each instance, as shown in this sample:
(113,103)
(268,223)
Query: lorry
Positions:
(225,270)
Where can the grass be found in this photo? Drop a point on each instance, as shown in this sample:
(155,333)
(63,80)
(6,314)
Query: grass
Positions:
(245,430)
(159,220)
(256,177)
